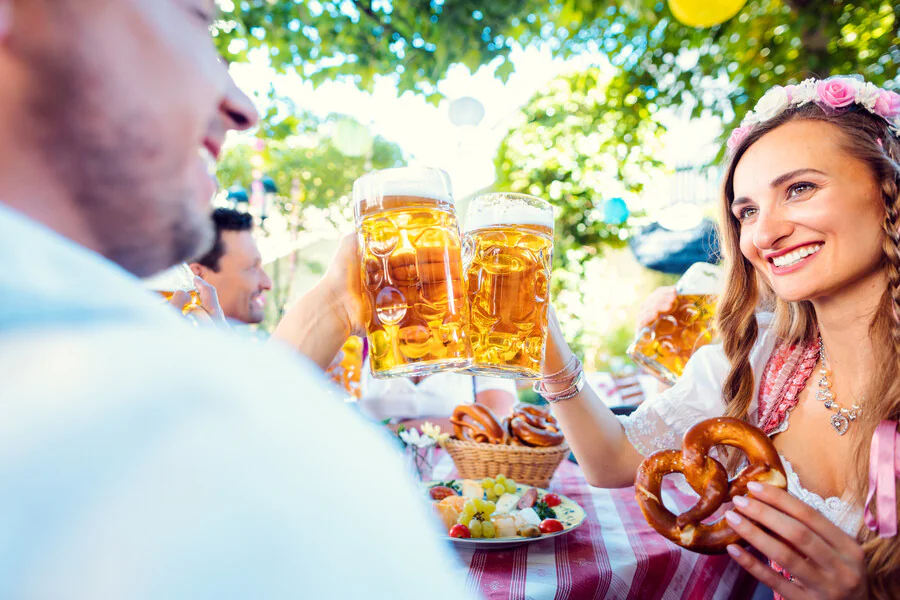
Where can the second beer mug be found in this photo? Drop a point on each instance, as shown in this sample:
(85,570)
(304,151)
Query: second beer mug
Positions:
(664,347)
(411,272)
(508,250)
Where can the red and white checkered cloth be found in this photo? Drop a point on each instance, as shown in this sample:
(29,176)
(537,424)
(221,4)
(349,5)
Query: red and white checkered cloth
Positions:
(614,554)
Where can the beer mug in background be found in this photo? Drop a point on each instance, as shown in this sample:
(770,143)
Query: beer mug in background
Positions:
(411,272)
(179,278)
(664,347)
(507,255)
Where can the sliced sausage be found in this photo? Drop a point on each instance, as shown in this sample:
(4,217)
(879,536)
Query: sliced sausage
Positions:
(528,499)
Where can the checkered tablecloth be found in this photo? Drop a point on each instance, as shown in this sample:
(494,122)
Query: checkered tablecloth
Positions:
(614,554)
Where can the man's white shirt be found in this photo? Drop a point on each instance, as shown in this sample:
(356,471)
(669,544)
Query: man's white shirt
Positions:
(143,458)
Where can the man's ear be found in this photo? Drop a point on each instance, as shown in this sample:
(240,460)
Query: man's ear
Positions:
(196,268)
(6,16)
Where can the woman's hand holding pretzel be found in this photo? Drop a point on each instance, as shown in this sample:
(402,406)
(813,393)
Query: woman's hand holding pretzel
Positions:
(823,561)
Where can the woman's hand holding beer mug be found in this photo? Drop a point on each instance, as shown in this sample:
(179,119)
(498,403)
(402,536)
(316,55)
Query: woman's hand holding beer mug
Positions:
(660,301)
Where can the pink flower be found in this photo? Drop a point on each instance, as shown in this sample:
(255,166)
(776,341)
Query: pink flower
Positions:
(836,92)
(737,136)
(888,104)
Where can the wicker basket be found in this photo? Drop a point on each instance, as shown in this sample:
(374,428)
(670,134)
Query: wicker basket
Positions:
(531,466)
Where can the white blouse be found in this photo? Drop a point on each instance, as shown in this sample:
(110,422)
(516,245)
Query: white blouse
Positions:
(660,423)
(435,396)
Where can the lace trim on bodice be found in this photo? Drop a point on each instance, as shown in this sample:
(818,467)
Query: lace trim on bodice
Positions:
(833,508)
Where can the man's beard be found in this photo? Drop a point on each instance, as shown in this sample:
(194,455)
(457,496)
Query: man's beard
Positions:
(131,193)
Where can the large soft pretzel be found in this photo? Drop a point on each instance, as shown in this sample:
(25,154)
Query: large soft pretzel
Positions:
(482,426)
(534,427)
(709,479)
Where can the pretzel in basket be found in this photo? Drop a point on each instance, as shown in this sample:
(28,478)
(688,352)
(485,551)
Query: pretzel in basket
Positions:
(532,426)
(709,479)
(476,423)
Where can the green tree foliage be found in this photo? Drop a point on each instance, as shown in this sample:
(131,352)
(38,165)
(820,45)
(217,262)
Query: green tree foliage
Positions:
(572,143)
(724,67)
(308,169)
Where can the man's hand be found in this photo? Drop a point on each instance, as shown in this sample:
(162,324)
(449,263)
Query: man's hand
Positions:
(208,312)
(342,286)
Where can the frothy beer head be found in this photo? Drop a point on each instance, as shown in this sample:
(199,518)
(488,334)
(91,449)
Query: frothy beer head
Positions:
(400,187)
(493,210)
(701,279)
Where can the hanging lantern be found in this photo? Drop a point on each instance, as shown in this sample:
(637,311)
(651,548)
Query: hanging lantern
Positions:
(615,211)
(705,13)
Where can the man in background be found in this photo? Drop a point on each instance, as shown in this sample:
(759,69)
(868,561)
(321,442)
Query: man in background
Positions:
(136,461)
(234,267)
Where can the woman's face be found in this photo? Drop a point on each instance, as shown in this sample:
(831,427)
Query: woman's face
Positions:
(809,213)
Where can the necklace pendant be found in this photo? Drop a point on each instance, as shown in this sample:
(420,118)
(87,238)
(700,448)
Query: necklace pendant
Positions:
(839,423)
(824,383)
(829,404)
(824,394)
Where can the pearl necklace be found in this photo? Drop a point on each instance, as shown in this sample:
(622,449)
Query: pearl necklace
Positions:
(842,417)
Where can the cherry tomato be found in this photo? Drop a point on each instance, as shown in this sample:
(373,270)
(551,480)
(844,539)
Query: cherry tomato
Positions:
(551,526)
(460,531)
(552,500)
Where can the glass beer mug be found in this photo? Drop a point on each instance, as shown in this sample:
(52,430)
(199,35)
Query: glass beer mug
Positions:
(664,346)
(507,255)
(409,248)
(179,278)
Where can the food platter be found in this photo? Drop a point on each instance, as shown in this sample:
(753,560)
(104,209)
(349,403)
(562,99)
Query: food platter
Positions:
(568,512)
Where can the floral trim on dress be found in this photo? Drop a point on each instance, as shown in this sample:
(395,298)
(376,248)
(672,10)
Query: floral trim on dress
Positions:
(785,376)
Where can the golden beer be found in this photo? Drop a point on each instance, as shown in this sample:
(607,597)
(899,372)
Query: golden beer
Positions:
(508,249)
(412,277)
(193,303)
(664,347)
(346,368)
(179,278)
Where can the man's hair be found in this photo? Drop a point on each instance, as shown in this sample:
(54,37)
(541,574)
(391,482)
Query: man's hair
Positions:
(225,219)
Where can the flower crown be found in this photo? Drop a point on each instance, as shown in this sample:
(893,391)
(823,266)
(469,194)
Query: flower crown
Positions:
(832,95)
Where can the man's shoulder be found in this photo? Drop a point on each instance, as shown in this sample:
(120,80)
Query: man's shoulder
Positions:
(152,362)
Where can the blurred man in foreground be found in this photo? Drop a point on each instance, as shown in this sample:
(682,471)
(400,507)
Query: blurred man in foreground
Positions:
(234,267)
(134,465)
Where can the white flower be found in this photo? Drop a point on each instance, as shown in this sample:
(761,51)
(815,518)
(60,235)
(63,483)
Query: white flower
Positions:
(805,92)
(867,94)
(434,432)
(412,437)
(772,103)
(750,119)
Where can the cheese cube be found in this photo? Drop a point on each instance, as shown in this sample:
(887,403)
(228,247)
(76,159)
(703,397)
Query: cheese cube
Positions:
(472,489)
(506,503)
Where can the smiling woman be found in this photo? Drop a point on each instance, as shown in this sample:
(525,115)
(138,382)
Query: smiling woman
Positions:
(810,226)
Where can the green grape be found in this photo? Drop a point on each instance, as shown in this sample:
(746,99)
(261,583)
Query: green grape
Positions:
(499,489)
(464,519)
(511,487)
(487,529)
(475,528)
(487,483)
(489,507)
(500,477)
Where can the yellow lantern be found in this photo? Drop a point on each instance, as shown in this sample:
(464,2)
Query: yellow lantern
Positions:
(705,13)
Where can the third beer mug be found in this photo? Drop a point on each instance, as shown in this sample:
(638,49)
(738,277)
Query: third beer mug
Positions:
(664,347)
(411,272)
(507,255)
